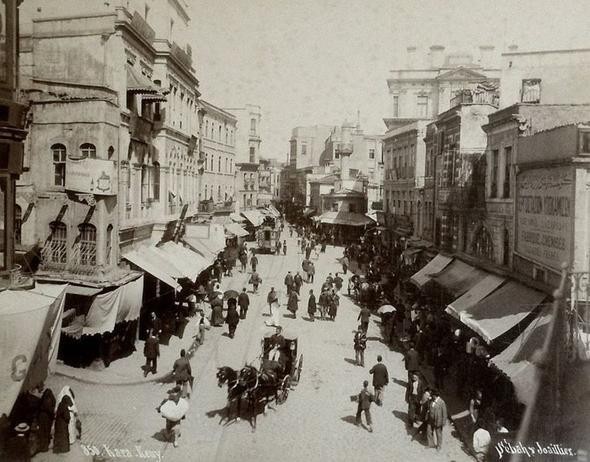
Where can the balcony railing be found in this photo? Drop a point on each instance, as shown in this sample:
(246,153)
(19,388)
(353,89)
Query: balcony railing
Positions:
(181,55)
(15,279)
(142,27)
(476,97)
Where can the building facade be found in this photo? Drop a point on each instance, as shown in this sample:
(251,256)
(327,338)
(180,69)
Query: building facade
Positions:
(407,210)
(247,185)
(248,137)
(219,129)
(269,182)
(118,134)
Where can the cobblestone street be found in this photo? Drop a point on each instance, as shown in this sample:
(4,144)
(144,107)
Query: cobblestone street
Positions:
(315,423)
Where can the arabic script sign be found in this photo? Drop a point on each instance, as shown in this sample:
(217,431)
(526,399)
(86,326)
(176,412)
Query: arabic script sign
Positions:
(95,176)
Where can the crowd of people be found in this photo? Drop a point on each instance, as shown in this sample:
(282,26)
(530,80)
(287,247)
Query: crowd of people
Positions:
(40,422)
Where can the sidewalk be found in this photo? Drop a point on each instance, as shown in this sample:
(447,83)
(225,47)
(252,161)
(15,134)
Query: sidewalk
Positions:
(128,371)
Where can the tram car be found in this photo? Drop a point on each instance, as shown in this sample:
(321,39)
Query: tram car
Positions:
(268,235)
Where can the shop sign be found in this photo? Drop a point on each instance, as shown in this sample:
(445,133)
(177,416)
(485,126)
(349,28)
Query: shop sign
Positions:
(94,176)
(544,211)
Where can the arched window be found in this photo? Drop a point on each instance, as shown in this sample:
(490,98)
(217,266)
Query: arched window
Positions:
(110,152)
(18,223)
(87,244)
(206,189)
(219,164)
(88,150)
(56,249)
(156,182)
(109,252)
(483,245)
(58,152)
(218,193)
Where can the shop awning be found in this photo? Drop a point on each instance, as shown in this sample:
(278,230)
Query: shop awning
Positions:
(274,211)
(516,361)
(308,212)
(236,230)
(434,266)
(237,217)
(139,83)
(83,290)
(109,308)
(188,262)
(474,295)
(345,218)
(196,244)
(148,262)
(459,277)
(29,338)
(503,309)
(254,217)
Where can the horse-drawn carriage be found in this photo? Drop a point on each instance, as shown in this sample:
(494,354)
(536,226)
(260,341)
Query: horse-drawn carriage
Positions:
(279,354)
(280,369)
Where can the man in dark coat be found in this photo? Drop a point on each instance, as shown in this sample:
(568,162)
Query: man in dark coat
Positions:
(311,306)
(345,264)
(284,247)
(244,302)
(364,317)
(324,302)
(412,360)
(255,280)
(254,262)
(289,282)
(232,318)
(156,324)
(151,351)
(365,398)
(360,344)
(298,282)
(307,252)
(292,304)
(414,392)
(338,282)
(380,379)
(311,271)
(182,372)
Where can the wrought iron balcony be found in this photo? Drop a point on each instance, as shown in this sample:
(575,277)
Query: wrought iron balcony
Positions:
(15,279)
(476,97)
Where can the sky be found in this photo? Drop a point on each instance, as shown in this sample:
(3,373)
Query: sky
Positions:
(308,62)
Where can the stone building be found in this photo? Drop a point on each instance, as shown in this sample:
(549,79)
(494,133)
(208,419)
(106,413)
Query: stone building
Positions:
(269,182)
(248,137)
(219,129)
(113,152)
(423,87)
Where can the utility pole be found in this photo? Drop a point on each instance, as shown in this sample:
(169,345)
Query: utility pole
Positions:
(12,124)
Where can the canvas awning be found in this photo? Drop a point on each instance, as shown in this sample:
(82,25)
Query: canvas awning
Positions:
(274,211)
(29,338)
(139,83)
(188,262)
(434,266)
(83,290)
(236,230)
(236,217)
(253,216)
(197,245)
(120,304)
(345,218)
(503,309)
(516,361)
(152,264)
(474,295)
(459,277)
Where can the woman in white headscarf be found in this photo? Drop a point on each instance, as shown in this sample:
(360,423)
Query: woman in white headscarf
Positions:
(72,430)
(275,314)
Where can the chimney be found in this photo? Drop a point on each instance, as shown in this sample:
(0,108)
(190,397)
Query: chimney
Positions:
(513,48)
(411,57)
(436,56)
(486,56)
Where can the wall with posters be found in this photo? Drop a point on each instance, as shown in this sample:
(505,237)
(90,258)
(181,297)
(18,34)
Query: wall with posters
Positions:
(544,215)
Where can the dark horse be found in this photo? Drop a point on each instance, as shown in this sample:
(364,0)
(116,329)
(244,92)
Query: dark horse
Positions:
(235,390)
(260,386)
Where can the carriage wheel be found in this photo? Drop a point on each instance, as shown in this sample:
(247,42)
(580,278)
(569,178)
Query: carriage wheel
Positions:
(297,373)
(283,392)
